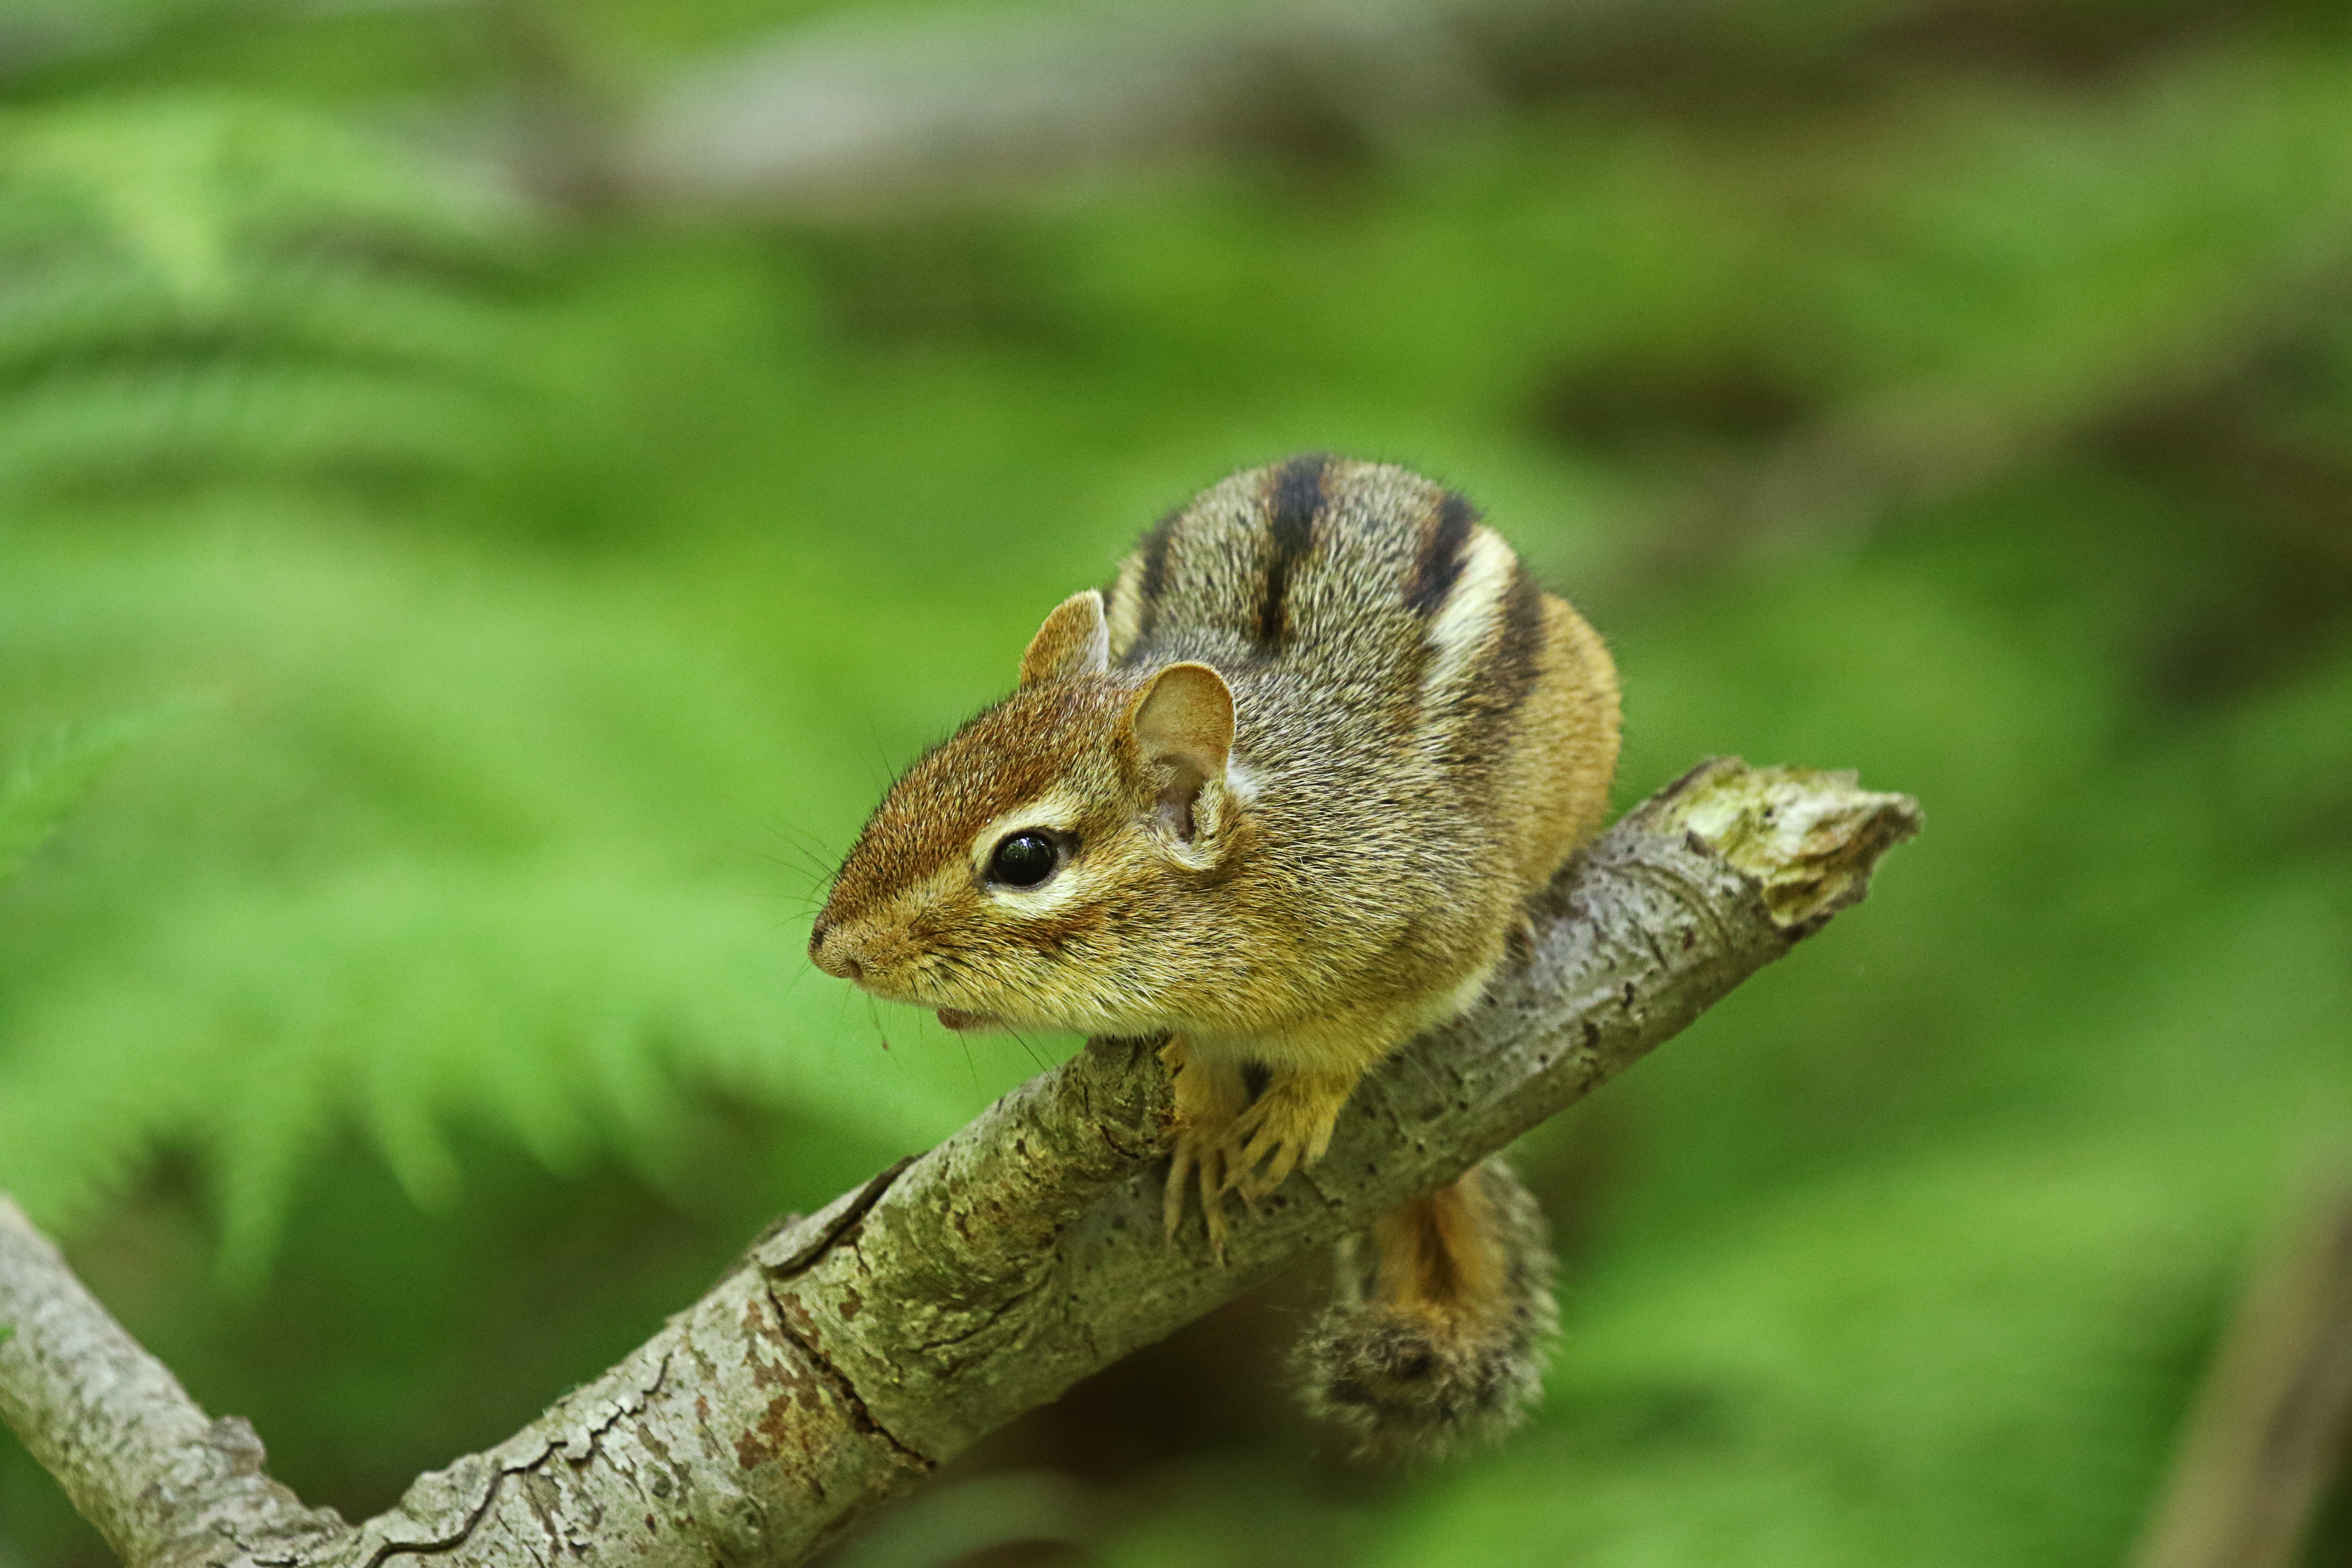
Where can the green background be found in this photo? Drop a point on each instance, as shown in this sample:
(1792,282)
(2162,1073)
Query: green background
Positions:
(452,636)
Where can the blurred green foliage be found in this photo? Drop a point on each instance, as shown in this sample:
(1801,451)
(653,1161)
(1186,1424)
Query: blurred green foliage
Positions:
(445,641)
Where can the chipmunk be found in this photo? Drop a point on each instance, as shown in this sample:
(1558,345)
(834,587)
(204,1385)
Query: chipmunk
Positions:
(1279,795)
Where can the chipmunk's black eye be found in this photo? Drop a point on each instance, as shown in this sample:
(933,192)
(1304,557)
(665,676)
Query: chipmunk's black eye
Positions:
(1022,860)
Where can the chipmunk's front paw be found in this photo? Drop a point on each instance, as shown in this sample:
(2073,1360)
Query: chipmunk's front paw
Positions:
(1290,1125)
(1197,1157)
(1209,1095)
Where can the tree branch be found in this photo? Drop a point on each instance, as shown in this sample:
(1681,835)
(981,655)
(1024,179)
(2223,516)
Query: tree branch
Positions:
(163,1483)
(850,1354)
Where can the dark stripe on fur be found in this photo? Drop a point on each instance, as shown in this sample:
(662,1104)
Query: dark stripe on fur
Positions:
(1509,671)
(1440,565)
(1296,501)
(1155,571)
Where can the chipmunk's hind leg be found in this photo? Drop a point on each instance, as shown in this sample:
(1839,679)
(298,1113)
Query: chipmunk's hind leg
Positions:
(1288,1126)
(1209,1094)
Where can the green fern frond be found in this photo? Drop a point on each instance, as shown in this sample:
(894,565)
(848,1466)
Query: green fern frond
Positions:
(561,1005)
(43,783)
(218,290)
(198,188)
(455,850)
(156,427)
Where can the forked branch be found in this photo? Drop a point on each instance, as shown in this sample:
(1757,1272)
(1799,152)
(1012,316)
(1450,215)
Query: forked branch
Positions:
(852,1353)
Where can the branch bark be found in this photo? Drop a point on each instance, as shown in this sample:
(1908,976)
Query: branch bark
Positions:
(850,1354)
(161,1482)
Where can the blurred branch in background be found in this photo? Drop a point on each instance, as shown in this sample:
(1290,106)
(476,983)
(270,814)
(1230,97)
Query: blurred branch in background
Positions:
(876,112)
(851,1354)
(2271,1427)
(887,109)
(878,115)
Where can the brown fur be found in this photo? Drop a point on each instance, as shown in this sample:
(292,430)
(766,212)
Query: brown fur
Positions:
(1435,1337)
(1302,767)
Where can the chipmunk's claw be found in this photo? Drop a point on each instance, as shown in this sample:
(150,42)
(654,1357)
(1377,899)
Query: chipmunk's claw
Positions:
(1289,1126)
(1197,1160)
(1209,1095)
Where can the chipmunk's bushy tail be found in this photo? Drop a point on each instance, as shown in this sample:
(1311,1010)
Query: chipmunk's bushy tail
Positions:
(1441,1320)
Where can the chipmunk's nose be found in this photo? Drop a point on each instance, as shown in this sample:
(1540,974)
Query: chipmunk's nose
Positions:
(832,951)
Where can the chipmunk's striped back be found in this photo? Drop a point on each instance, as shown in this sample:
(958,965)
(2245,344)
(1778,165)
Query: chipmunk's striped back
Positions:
(1278,797)
(1353,574)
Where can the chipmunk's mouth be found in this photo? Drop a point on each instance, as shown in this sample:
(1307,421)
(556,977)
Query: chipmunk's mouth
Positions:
(962,1022)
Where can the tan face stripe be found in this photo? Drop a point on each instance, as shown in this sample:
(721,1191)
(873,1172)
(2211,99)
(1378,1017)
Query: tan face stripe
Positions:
(1005,756)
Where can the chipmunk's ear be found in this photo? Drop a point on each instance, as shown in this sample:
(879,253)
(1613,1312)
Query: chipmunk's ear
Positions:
(1074,640)
(1183,722)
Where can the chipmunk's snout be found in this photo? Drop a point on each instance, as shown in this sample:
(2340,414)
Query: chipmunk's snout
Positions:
(833,951)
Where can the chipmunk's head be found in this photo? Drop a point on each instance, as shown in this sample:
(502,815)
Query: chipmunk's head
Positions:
(1026,870)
